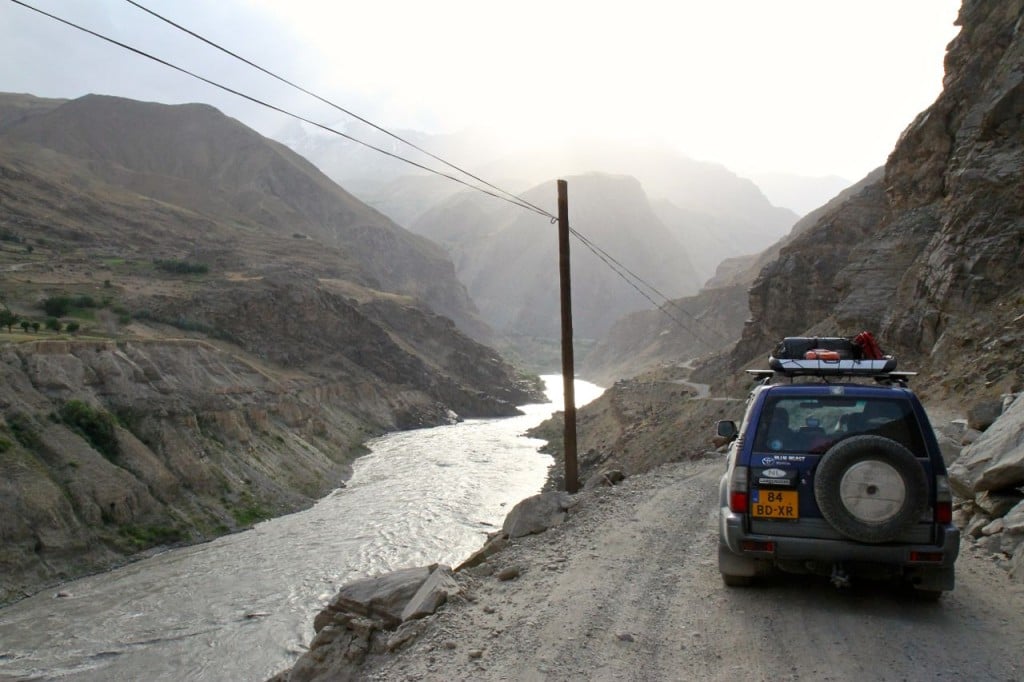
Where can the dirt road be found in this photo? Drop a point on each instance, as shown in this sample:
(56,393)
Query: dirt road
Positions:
(628,589)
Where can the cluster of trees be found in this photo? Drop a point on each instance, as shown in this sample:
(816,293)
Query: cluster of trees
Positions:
(55,307)
(9,319)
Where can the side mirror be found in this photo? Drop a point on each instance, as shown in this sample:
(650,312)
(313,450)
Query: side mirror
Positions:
(727,429)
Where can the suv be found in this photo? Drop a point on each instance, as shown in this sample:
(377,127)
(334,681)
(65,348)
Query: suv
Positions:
(833,476)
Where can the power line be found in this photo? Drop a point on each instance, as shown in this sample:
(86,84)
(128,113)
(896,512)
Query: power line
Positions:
(604,254)
(335,106)
(260,102)
(613,264)
(590,245)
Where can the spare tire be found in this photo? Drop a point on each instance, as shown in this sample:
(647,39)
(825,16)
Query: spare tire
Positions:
(870,489)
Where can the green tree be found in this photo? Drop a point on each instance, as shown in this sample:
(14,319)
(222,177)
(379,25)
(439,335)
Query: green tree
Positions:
(25,324)
(35,327)
(72,327)
(57,306)
(8,319)
(53,323)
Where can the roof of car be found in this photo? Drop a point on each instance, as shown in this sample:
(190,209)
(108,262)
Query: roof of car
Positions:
(845,389)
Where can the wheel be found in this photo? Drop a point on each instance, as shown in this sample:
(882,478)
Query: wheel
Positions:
(870,489)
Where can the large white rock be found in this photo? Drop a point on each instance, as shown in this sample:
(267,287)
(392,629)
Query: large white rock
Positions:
(996,460)
(536,514)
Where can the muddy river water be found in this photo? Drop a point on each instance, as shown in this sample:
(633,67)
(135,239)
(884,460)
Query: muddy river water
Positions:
(241,607)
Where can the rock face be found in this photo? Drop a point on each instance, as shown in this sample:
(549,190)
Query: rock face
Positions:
(927,257)
(988,477)
(203,442)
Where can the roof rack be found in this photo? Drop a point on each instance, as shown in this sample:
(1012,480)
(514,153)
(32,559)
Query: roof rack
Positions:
(792,367)
(879,370)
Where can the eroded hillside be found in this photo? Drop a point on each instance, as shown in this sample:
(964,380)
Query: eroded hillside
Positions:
(202,330)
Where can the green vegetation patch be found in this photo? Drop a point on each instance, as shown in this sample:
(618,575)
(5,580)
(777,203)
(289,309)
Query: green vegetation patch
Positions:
(151,536)
(181,267)
(24,430)
(96,426)
(250,514)
(61,306)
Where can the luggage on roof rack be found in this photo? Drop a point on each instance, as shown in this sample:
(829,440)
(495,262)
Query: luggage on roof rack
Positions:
(830,356)
(797,347)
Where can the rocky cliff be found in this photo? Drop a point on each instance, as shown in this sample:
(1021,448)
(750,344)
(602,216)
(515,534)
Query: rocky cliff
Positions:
(920,252)
(926,257)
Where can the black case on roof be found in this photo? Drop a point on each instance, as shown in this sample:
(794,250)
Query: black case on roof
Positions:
(795,347)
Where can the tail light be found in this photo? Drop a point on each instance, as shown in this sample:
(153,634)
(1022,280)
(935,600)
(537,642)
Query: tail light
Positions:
(943,500)
(739,498)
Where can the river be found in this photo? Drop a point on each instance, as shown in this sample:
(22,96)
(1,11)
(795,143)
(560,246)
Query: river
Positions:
(241,607)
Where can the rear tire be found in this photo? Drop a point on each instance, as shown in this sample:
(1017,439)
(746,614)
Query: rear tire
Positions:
(870,489)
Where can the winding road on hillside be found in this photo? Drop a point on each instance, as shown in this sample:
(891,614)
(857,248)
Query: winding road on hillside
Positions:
(628,589)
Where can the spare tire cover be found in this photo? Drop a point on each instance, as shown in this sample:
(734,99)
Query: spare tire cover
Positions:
(870,489)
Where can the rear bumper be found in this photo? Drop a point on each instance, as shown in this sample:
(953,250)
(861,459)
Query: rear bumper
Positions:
(785,548)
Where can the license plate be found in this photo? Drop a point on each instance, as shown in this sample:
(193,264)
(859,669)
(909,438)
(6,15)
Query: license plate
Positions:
(775,504)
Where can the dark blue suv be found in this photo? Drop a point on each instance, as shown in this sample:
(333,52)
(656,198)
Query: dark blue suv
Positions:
(829,476)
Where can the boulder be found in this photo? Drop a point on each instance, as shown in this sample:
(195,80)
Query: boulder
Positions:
(605,477)
(493,545)
(382,597)
(1017,565)
(536,514)
(434,592)
(997,504)
(1013,521)
(984,413)
(996,460)
(970,436)
(949,447)
(1009,544)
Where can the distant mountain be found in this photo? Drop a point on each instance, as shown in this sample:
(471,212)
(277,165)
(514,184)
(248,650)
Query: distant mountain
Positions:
(508,257)
(710,209)
(799,193)
(192,155)
(710,321)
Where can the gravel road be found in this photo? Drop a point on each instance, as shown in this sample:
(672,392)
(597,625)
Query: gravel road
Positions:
(628,589)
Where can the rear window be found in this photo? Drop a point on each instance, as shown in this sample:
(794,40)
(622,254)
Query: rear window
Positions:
(795,424)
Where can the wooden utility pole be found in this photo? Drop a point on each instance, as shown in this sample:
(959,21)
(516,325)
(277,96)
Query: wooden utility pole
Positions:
(572,483)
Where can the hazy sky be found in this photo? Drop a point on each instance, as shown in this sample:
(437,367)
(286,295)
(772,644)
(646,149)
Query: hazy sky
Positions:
(811,87)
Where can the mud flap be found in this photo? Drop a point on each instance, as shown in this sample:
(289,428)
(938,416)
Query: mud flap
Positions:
(932,579)
(732,564)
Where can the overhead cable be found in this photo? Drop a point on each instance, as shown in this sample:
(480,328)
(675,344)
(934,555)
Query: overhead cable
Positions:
(260,102)
(613,264)
(336,106)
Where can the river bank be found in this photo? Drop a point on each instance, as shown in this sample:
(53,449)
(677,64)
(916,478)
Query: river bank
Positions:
(241,606)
